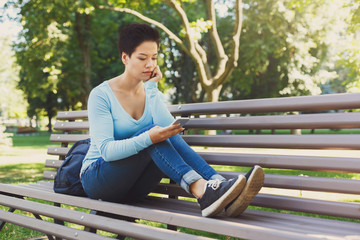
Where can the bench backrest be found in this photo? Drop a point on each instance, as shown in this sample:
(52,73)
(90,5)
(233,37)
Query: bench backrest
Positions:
(266,132)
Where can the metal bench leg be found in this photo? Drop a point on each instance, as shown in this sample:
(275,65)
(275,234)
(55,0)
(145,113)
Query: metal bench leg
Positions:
(57,221)
(120,237)
(172,227)
(50,237)
(114,216)
(88,229)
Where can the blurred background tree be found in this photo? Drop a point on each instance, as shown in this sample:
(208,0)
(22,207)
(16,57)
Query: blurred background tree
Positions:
(12,102)
(348,63)
(288,48)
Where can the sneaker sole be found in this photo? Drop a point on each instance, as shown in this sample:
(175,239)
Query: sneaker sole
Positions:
(225,199)
(253,186)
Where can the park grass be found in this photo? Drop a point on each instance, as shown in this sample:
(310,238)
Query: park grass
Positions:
(38,141)
(32,172)
(22,144)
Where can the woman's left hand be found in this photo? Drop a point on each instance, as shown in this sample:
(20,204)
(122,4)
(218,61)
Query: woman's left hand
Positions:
(159,134)
(157,75)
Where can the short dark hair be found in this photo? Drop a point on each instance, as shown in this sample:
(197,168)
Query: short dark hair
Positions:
(134,34)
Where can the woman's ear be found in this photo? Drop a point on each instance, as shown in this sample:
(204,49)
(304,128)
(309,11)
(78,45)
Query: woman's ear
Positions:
(124,58)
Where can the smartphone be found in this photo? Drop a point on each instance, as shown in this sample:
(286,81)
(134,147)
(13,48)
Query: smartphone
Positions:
(182,121)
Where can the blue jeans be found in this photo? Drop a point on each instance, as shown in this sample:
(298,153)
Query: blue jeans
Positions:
(132,178)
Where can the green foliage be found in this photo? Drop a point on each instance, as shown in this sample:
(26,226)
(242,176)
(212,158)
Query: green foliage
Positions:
(64,53)
(33,141)
(347,46)
(350,63)
(14,106)
(283,49)
(39,55)
(355,16)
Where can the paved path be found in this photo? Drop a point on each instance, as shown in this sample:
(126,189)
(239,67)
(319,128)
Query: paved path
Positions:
(23,156)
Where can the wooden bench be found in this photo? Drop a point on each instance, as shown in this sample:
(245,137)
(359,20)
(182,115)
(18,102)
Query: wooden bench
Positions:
(321,177)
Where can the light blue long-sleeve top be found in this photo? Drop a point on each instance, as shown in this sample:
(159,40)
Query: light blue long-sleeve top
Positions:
(111,126)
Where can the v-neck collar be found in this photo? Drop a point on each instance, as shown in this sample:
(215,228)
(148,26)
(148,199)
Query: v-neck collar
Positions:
(121,107)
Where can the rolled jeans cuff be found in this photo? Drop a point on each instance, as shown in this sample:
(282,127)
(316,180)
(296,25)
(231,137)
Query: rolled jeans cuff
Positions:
(188,179)
(217,176)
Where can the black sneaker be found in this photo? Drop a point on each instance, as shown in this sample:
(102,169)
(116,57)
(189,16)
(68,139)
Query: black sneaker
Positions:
(218,194)
(254,182)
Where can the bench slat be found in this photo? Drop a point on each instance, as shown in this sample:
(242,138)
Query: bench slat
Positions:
(72,115)
(68,138)
(304,121)
(39,186)
(339,209)
(50,175)
(324,141)
(53,163)
(282,104)
(61,151)
(313,163)
(47,227)
(116,226)
(335,185)
(71,126)
(312,224)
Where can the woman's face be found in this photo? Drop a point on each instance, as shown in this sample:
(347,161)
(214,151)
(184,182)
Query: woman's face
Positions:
(142,61)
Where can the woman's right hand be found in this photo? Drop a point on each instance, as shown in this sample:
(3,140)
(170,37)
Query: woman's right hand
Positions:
(159,134)
(156,75)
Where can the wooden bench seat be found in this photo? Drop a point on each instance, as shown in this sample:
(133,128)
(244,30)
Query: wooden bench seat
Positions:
(261,131)
(253,224)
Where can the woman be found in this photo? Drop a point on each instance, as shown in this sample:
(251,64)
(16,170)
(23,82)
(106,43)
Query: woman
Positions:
(133,141)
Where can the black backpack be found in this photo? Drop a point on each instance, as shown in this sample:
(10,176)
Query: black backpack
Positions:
(67,180)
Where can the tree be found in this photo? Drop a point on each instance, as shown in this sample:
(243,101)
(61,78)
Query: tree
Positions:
(14,106)
(211,80)
(54,54)
(285,50)
(349,62)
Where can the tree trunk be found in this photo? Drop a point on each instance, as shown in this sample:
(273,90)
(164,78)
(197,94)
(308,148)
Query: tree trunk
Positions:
(49,124)
(213,93)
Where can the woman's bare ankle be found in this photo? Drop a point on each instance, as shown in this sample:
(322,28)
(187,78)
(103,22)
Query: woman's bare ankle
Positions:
(197,188)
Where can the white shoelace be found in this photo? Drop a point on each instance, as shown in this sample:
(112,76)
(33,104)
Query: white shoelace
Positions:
(214,184)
